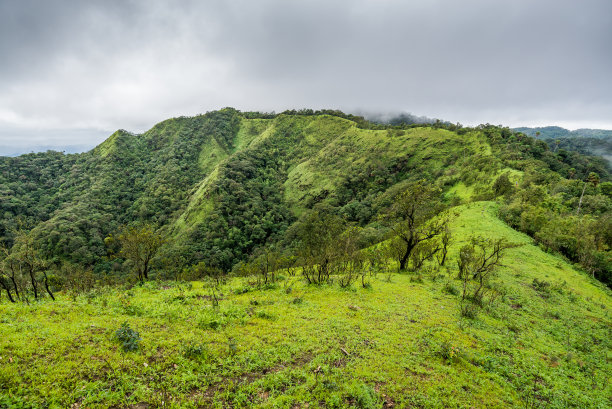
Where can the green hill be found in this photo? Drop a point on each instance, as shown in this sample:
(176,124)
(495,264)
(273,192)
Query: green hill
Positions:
(170,268)
(402,342)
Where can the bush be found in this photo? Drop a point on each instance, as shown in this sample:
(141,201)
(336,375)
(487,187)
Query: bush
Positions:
(210,323)
(130,339)
(266,316)
(469,310)
(362,396)
(449,288)
(449,351)
(194,351)
(541,286)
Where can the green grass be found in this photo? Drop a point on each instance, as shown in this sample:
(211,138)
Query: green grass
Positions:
(348,149)
(401,343)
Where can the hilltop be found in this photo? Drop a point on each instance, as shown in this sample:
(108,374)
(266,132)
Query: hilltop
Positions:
(555,132)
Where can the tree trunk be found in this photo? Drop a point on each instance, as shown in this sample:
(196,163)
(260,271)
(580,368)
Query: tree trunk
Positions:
(410,245)
(581,196)
(146,270)
(8,290)
(34,287)
(47,287)
(16,288)
(404,260)
(444,252)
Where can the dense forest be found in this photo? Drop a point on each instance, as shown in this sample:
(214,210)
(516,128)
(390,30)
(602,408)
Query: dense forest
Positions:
(593,142)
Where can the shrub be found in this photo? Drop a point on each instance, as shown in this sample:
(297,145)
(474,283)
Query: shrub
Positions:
(194,351)
(448,351)
(541,286)
(266,316)
(416,279)
(362,396)
(449,288)
(209,323)
(130,339)
(469,310)
(242,290)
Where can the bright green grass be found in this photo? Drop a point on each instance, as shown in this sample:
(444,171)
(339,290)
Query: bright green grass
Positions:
(108,146)
(349,148)
(336,348)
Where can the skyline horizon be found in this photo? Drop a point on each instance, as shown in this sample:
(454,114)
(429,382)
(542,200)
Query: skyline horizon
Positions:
(99,135)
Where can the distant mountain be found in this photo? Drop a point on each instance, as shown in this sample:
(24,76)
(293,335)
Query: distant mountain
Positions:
(12,151)
(595,142)
(555,132)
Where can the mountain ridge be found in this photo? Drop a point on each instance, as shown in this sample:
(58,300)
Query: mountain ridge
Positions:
(227,183)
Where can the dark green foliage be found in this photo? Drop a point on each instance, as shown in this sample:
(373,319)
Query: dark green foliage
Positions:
(548,211)
(30,187)
(195,351)
(502,185)
(317,233)
(249,210)
(128,178)
(129,339)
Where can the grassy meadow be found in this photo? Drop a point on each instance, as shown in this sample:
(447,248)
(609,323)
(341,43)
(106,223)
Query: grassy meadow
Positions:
(400,342)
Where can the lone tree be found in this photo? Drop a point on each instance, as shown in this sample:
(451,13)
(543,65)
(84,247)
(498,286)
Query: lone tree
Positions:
(138,245)
(502,185)
(413,214)
(477,261)
(317,233)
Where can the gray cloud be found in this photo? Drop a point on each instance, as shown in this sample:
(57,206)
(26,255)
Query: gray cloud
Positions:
(114,64)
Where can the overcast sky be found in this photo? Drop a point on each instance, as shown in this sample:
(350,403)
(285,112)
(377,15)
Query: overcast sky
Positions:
(72,72)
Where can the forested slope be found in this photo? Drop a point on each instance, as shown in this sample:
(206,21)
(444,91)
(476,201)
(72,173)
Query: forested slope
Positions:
(223,185)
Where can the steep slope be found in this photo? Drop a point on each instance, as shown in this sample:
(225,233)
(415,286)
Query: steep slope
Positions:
(220,186)
(299,162)
(400,343)
(134,177)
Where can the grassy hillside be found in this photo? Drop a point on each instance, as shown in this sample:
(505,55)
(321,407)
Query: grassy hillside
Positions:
(223,185)
(399,343)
